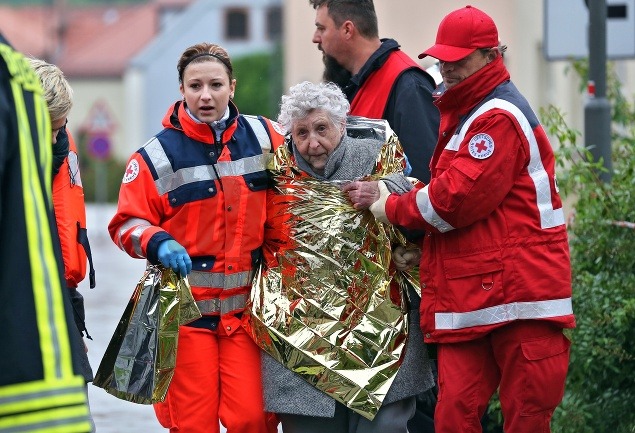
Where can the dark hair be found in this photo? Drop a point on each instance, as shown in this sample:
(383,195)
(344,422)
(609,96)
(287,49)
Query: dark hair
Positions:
(360,12)
(204,52)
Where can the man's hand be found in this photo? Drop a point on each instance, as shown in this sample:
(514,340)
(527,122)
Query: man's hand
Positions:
(362,193)
(405,259)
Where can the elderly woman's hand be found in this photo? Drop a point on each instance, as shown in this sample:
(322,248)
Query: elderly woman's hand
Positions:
(362,193)
(405,259)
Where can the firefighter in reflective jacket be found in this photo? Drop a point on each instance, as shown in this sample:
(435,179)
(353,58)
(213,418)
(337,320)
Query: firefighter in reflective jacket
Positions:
(39,391)
(194,197)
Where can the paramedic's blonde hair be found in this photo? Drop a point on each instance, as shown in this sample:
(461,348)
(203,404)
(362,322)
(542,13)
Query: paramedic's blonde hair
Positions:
(57,92)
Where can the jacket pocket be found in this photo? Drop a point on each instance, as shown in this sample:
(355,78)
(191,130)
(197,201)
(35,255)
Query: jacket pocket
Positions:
(474,281)
(546,362)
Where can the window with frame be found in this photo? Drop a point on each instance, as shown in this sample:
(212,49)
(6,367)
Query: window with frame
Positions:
(236,24)
(274,23)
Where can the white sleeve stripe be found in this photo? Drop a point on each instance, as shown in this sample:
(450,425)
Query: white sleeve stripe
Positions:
(428,213)
(549,217)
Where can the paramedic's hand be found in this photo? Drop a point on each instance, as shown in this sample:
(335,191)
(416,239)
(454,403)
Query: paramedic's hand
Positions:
(379,207)
(172,255)
(405,259)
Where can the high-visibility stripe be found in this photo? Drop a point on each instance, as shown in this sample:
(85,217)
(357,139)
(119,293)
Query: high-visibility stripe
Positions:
(48,408)
(220,280)
(428,213)
(504,313)
(73,168)
(57,403)
(46,287)
(32,396)
(549,217)
(260,131)
(169,180)
(139,225)
(251,164)
(222,306)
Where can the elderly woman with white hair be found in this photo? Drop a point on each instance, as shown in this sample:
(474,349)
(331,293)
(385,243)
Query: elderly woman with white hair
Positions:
(321,370)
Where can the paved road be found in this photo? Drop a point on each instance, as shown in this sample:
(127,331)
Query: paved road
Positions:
(117,274)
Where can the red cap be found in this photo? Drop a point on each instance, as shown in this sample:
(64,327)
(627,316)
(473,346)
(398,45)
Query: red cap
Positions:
(461,33)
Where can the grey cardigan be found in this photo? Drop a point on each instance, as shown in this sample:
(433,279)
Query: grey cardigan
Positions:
(284,390)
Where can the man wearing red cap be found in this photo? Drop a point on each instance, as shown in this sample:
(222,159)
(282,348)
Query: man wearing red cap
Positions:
(495,269)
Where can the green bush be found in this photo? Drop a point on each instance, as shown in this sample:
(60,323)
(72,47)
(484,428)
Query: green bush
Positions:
(600,392)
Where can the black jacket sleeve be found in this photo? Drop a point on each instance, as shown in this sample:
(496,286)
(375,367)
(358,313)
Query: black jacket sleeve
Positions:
(415,119)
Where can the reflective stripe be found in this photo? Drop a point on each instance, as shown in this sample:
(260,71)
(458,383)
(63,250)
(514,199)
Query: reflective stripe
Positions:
(251,164)
(209,306)
(73,169)
(428,213)
(47,290)
(184,176)
(217,279)
(504,313)
(140,225)
(158,157)
(58,401)
(549,217)
(43,405)
(169,180)
(260,131)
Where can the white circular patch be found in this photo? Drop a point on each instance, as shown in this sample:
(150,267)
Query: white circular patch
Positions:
(131,171)
(481,146)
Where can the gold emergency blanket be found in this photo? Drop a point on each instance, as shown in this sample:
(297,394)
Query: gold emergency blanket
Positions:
(139,362)
(329,306)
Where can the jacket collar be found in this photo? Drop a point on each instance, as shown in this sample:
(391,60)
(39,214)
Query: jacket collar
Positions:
(468,93)
(375,61)
(178,118)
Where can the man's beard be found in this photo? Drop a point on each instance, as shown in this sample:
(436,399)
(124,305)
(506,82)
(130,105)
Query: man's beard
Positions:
(335,72)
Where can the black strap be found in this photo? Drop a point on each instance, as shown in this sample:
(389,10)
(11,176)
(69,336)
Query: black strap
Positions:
(82,238)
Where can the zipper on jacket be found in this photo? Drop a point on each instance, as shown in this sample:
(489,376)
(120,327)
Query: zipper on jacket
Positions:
(218,149)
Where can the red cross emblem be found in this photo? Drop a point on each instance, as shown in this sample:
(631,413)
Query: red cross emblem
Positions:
(481,146)
(132,170)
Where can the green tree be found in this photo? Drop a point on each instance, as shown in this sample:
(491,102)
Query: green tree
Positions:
(259,83)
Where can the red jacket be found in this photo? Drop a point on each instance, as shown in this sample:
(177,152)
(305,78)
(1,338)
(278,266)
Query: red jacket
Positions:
(70,218)
(208,195)
(496,248)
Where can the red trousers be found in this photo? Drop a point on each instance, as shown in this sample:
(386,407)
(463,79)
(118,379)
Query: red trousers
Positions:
(528,360)
(217,377)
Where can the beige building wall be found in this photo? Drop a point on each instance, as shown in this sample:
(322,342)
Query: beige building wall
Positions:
(413,23)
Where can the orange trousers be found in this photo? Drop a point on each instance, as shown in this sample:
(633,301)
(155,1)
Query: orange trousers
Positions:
(217,377)
(527,359)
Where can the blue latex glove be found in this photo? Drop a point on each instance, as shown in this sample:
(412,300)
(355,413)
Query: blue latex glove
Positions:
(172,255)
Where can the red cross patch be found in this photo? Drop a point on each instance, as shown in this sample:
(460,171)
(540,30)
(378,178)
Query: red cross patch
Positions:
(131,172)
(481,146)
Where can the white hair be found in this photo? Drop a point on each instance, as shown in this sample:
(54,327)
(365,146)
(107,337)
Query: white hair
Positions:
(305,97)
